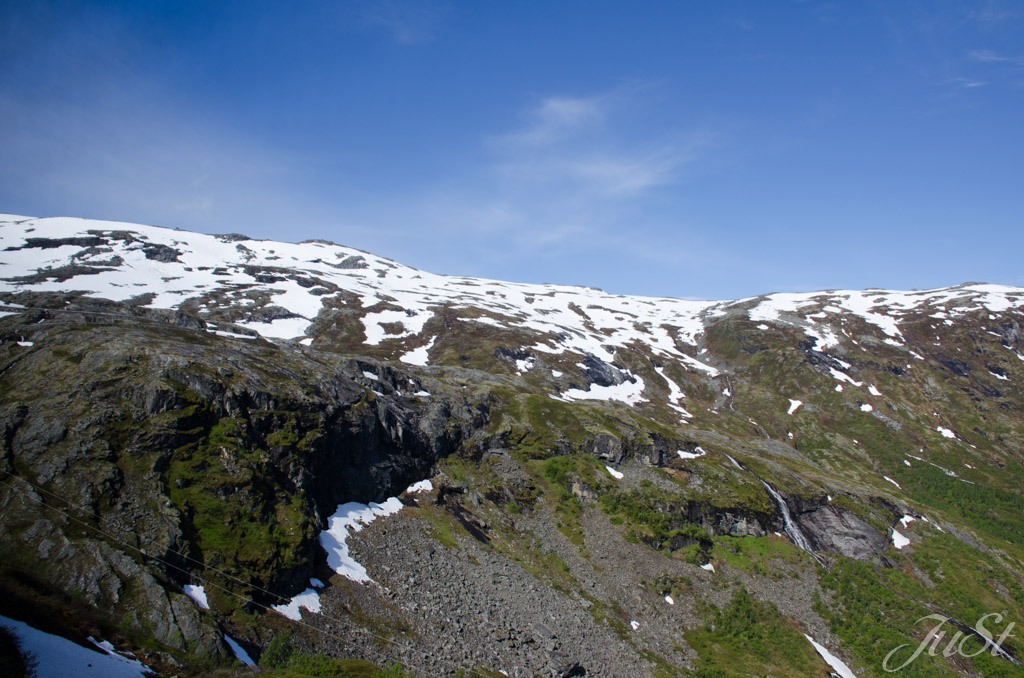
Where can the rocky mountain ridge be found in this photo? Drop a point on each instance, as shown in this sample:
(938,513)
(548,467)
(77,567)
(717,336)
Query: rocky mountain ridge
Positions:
(615,480)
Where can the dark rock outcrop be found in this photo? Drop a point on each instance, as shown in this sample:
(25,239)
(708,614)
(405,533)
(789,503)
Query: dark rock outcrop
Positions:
(840,531)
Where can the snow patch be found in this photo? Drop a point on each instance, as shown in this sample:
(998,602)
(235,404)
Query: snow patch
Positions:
(618,475)
(668,599)
(709,567)
(833,661)
(627,392)
(898,540)
(419,356)
(239,652)
(308,599)
(865,407)
(198,594)
(946,433)
(698,452)
(282,328)
(892,481)
(347,519)
(59,657)
(794,405)
(525,365)
(421,486)
(843,376)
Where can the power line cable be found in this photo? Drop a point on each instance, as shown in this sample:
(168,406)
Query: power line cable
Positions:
(205,580)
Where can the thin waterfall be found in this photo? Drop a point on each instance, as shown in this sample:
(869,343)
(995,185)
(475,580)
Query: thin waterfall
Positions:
(792,529)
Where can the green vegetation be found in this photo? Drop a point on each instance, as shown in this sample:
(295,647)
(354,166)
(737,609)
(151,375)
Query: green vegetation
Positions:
(656,518)
(998,512)
(240,518)
(758,555)
(875,610)
(281,659)
(749,638)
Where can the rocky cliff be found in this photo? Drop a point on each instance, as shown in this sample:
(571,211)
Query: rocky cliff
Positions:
(620,486)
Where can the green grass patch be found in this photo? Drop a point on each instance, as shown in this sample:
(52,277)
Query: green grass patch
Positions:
(748,638)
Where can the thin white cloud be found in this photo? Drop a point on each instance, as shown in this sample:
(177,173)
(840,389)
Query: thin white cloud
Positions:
(554,120)
(988,56)
(992,13)
(408,22)
(985,56)
(578,147)
(629,176)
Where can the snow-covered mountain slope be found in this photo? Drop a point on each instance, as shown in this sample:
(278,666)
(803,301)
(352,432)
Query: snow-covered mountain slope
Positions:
(615,467)
(279,290)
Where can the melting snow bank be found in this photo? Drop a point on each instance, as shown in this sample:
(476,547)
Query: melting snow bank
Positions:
(698,452)
(794,405)
(419,356)
(347,519)
(833,661)
(350,518)
(239,652)
(898,540)
(198,594)
(615,474)
(627,392)
(59,657)
(308,599)
(421,486)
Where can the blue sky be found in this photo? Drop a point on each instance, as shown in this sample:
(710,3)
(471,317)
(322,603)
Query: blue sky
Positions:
(711,150)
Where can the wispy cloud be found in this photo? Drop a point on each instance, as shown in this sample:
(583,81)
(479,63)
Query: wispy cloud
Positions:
(553,120)
(578,145)
(407,22)
(574,179)
(968,83)
(992,13)
(988,56)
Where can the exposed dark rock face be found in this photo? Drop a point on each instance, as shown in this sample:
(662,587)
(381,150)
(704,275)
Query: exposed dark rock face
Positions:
(607,447)
(957,367)
(601,373)
(162,253)
(52,243)
(819,360)
(840,531)
(511,355)
(112,439)
(144,449)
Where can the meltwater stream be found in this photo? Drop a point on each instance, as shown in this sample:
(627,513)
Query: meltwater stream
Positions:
(792,529)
